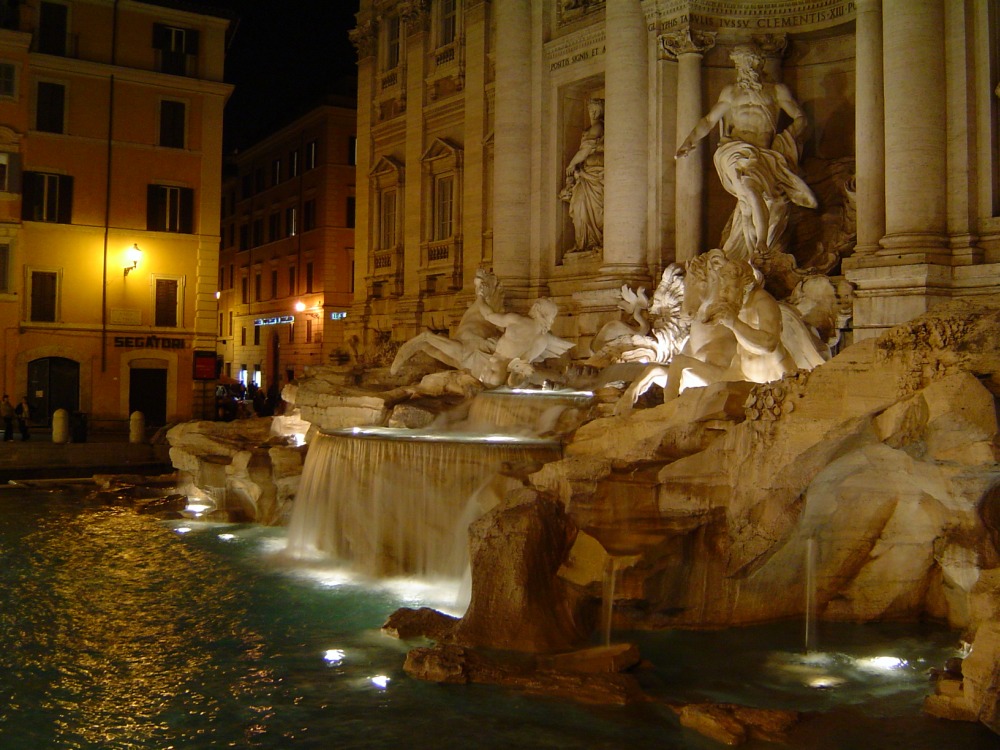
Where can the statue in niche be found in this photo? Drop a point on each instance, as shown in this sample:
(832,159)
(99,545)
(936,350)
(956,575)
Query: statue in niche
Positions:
(757,164)
(583,189)
(738,332)
(475,337)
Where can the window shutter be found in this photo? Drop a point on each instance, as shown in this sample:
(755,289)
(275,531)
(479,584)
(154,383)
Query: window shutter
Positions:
(161,36)
(191,42)
(166,302)
(187,211)
(156,209)
(14,174)
(65,208)
(29,195)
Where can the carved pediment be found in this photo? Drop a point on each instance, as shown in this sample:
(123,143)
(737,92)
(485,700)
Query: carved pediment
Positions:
(387,166)
(442,148)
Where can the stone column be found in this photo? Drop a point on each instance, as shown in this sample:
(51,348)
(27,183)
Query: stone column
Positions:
(512,143)
(915,130)
(626,146)
(688,48)
(869,121)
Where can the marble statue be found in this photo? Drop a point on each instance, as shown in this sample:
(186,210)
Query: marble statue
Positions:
(525,341)
(475,337)
(738,332)
(756,163)
(583,189)
(492,345)
(659,331)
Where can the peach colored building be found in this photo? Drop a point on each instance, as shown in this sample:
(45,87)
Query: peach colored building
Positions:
(286,263)
(110,155)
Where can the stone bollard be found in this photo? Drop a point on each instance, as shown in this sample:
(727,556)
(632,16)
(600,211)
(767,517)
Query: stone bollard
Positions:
(137,427)
(60,426)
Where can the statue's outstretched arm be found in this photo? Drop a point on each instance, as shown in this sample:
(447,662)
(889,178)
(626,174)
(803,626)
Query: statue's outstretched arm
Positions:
(706,123)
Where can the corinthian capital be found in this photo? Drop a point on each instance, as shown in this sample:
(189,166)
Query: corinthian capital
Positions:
(771,45)
(363,39)
(686,41)
(415,14)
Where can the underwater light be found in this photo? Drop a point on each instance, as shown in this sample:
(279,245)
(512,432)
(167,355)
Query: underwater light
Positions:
(379,681)
(881,663)
(227,537)
(182,529)
(334,656)
(825,682)
(197,508)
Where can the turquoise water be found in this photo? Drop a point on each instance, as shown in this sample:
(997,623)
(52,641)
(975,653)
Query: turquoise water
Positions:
(121,631)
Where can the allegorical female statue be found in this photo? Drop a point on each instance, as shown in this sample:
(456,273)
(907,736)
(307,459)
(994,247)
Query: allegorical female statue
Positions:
(584,187)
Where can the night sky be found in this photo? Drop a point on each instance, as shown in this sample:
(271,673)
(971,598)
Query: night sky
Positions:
(284,58)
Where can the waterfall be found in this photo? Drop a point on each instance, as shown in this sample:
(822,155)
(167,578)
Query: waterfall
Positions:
(810,604)
(392,502)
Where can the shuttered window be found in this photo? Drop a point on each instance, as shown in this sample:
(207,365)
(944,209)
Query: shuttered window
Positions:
(169,209)
(166,303)
(44,285)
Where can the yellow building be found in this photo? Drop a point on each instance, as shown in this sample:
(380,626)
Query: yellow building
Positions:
(110,157)
(286,264)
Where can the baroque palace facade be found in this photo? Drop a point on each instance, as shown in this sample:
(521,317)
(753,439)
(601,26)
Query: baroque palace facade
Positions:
(110,162)
(472,115)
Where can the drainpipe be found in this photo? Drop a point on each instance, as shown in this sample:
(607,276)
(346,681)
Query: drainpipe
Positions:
(107,192)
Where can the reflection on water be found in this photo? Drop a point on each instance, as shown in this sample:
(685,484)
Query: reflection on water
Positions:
(117,631)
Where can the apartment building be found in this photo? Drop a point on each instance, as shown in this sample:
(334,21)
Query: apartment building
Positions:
(110,159)
(286,260)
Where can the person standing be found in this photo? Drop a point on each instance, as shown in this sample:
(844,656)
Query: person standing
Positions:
(7,414)
(23,412)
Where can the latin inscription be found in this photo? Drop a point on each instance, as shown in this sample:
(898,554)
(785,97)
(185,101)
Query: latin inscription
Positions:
(770,22)
(587,54)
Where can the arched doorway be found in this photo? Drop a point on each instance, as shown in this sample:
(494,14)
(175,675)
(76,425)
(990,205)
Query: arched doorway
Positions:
(147,390)
(53,383)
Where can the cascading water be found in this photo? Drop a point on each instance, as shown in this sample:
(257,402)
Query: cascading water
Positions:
(395,501)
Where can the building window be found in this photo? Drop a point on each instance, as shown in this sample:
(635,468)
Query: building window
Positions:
(444,206)
(291,281)
(47,197)
(44,296)
(352,150)
(50,107)
(245,290)
(244,237)
(243,342)
(387,219)
(258,180)
(230,322)
(293,163)
(220,325)
(169,209)
(8,80)
(258,288)
(177,49)
(273,227)
(8,168)
(256,335)
(291,333)
(222,277)
(309,215)
(53,25)
(165,303)
(4,268)
(351,211)
(391,45)
(274,283)
(258,232)
(291,221)
(447,21)
(311,155)
(309,331)
(173,116)
(309,277)
(276,171)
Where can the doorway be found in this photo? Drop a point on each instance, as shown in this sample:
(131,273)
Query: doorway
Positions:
(147,393)
(53,383)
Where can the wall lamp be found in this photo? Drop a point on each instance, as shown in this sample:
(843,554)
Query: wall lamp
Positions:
(133,255)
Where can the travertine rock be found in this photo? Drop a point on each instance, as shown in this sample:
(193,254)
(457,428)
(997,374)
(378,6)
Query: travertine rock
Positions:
(518,602)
